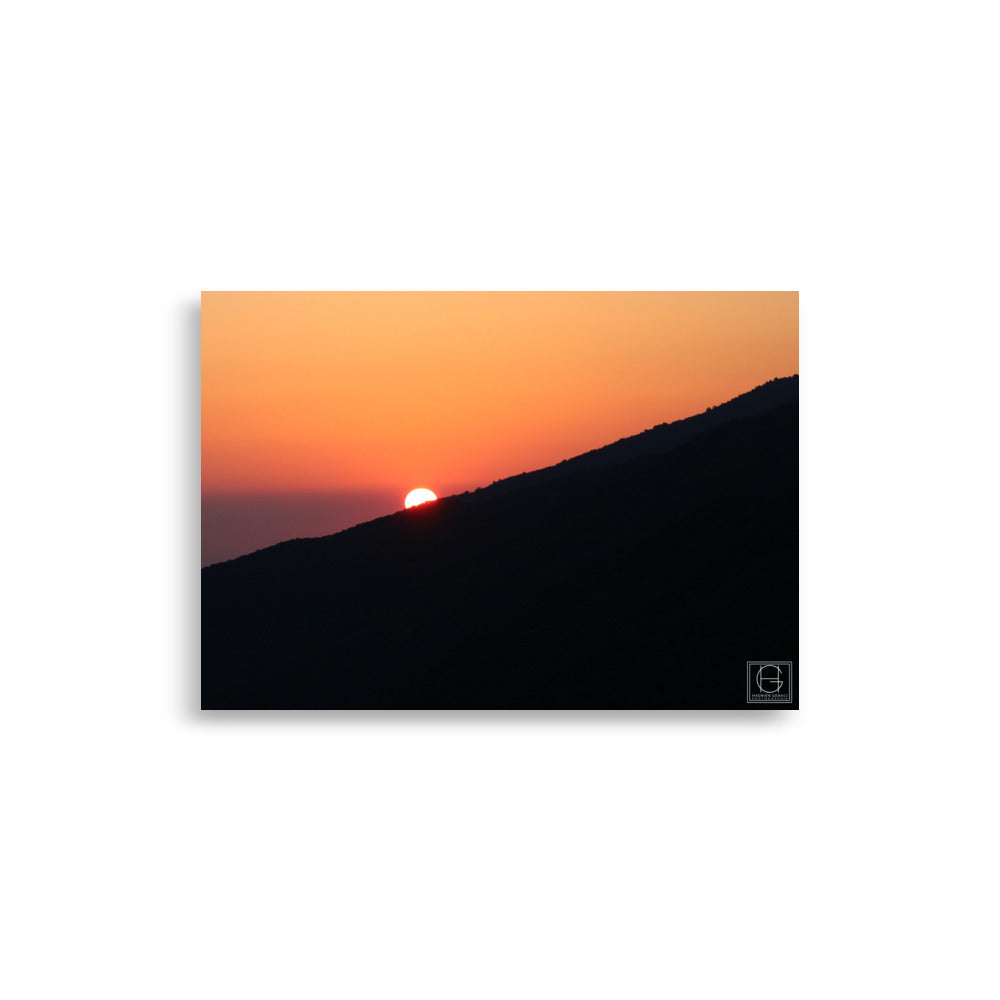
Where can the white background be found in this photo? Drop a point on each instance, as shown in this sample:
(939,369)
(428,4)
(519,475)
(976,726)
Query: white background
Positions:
(847,151)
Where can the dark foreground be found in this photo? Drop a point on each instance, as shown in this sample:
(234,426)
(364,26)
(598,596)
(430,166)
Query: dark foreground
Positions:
(644,584)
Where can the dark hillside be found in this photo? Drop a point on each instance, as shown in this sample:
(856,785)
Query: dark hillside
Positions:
(646,584)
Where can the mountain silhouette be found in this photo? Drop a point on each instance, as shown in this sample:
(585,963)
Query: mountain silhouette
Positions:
(642,575)
(660,439)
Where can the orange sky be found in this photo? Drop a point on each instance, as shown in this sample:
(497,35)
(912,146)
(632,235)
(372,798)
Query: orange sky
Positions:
(305,391)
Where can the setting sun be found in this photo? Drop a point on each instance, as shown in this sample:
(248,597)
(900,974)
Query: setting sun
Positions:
(419,496)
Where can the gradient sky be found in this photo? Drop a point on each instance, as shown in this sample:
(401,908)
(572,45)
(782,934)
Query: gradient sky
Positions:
(311,392)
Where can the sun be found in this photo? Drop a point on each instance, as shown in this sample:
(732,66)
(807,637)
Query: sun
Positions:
(419,496)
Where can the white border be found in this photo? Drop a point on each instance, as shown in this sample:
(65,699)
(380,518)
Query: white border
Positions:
(844,151)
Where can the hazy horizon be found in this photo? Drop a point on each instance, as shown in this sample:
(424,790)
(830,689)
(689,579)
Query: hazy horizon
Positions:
(236,523)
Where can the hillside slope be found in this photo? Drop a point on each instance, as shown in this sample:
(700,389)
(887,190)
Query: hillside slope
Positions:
(647,584)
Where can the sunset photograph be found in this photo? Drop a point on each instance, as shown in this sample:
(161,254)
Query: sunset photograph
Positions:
(500,503)
(499,500)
